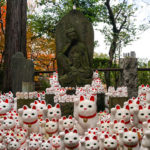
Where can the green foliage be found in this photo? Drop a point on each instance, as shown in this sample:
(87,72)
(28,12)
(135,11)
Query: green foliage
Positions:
(143,76)
(45,21)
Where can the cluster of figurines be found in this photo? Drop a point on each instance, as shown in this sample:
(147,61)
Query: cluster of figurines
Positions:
(42,127)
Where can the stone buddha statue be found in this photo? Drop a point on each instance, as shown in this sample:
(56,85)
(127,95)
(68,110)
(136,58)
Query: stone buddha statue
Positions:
(74,61)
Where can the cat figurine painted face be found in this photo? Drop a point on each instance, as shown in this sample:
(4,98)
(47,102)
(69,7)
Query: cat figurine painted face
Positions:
(119,114)
(71,140)
(130,139)
(110,142)
(41,108)
(30,119)
(51,127)
(9,123)
(14,145)
(46,145)
(143,114)
(56,143)
(4,108)
(54,112)
(104,125)
(68,123)
(34,144)
(91,143)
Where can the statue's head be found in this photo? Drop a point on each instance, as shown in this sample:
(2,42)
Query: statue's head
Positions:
(71,34)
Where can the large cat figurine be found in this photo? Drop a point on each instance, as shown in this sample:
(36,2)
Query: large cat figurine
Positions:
(85,112)
(28,118)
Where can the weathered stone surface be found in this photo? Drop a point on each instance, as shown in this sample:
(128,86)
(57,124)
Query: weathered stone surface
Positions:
(113,101)
(28,86)
(130,76)
(17,71)
(74,49)
(28,69)
(100,102)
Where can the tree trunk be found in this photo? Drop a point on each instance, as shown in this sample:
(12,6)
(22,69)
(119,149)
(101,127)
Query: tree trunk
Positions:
(15,36)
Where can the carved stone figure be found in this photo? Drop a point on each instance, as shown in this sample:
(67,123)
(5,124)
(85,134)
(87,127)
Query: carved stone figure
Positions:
(74,56)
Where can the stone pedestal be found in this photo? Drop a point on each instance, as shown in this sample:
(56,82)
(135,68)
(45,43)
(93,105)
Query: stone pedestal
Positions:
(28,86)
(130,75)
(100,102)
(113,101)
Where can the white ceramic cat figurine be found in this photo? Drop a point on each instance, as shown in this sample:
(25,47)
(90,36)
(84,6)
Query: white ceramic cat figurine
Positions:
(110,142)
(85,112)
(130,139)
(145,145)
(28,118)
(41,108)
(91,143)
(13,145)
(71,140)
(46,145)
(116,126)
(9,124)
(119,113)
(57,143)
(4,108)
(54,112)
(103,125)
(34,144)
(66,123)
(50,128)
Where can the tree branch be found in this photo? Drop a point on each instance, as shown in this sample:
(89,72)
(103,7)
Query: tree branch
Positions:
(123,23)
(111,16)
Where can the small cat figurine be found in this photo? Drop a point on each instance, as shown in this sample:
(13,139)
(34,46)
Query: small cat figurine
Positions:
(4,108)
(57,143)
(9,124)
(29,118)
(110,142)
(119,113)
(46,145)
(116,126)
(13,145)
(34,144)
(50,128)
(66,123)
(104,125)
(130,139)
(41,108)
(91,143)
(71,140)
(54,112)
(85,112)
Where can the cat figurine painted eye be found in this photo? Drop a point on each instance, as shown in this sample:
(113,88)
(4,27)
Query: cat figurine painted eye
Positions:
(85,112)
(91,143)
(54,112)
(110,142)
(57,143)
(28,118)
